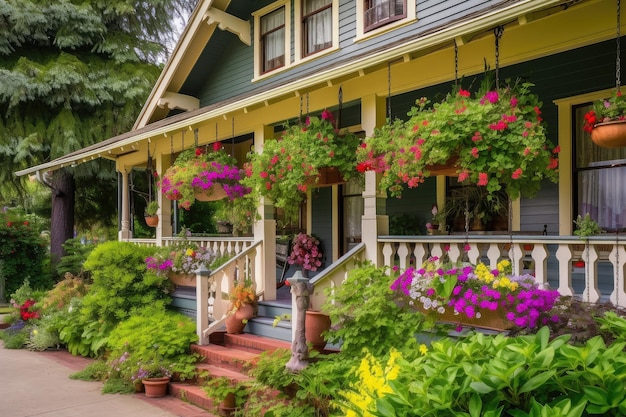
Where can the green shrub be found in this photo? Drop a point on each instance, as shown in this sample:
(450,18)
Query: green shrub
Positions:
(365,315)
(495,375)
(76,254)
(80,334)
(153,331)
(60,296)
(23,252)
(96,371)
(121,282)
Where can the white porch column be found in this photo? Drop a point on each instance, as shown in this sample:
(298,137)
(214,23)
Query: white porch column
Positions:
(125,233)
(374,221)
(164,229)
(265,229)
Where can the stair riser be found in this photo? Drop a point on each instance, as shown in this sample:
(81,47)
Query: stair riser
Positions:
(272,310)
(267,330)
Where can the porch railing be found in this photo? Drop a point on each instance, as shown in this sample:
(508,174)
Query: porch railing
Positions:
(212,290)
(592,271)
(221,245)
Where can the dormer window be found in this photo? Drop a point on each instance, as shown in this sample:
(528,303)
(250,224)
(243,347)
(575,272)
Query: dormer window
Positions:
(382,12)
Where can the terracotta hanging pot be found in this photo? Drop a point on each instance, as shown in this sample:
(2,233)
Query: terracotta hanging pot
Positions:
(449,169)
(329,176)
(155,387)
(216,192)
(152,221)
(610,134)
(183,280)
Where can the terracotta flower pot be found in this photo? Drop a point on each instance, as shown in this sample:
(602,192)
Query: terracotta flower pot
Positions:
(315,324)
(183,280)
(236,322)
(155,387)
(610,134)
(448,169)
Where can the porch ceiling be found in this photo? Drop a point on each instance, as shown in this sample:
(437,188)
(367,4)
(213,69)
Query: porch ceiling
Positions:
(510,13)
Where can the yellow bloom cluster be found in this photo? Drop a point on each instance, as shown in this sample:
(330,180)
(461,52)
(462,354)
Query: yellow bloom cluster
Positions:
(501,280)
(373,383)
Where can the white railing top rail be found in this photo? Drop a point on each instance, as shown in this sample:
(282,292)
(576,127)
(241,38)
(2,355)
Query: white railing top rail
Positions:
(505,238)
(339,263)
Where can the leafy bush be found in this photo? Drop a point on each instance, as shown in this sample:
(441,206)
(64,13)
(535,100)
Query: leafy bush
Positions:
(491,376)
(63,292)
(121,283)
(76,254)
(23,253)
(153,331)
(364,314)
(80,334)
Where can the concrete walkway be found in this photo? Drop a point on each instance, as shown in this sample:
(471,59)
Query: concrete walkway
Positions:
(37,384)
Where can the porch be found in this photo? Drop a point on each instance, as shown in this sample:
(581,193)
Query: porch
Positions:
(592,272)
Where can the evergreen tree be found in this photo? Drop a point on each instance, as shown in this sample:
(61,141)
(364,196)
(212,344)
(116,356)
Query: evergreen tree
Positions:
(73,73)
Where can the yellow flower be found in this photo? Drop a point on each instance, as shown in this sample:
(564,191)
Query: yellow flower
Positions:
(423,349)
(189,252)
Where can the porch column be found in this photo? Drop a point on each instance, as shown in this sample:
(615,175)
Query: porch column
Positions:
(374,222)
(265,229)
(164,229)
(124,233)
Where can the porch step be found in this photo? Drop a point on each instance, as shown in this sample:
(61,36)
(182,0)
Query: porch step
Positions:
(268,312)
(231,359)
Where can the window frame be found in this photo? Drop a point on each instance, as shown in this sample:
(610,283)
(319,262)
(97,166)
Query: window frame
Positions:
(300,37)
(383,22)
(259,73)
(364,32)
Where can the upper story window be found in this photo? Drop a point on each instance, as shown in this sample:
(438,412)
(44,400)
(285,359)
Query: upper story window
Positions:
(381,12)
(317,26)
(271,33)
(273,40)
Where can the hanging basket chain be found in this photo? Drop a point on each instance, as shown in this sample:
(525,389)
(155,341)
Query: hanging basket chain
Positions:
(456,64)
(498,31)
(618,75)
(389,92)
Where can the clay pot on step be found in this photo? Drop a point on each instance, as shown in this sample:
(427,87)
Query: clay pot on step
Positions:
(315,325)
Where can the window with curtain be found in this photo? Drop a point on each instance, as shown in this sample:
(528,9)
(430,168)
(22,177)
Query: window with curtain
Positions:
(378,13)
(317,27)
(599,178)
(273,40)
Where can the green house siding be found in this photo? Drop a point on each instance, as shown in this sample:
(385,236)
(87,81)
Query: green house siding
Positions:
(226,67)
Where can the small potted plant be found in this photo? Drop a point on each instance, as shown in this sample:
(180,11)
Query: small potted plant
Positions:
(155,376)
(228,395)
(606,121)
(242,308)
(180,261)
(438,222)
(150,213)
(306,253)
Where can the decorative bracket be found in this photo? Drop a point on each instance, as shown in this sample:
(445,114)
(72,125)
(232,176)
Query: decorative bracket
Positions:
(231,23)
(178,101)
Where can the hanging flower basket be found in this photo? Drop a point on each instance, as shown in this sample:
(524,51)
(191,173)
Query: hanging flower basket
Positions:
(610,134)
(496,136)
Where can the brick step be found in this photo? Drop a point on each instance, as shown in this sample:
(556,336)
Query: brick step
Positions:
(193,394)
(253,343)
(224,357)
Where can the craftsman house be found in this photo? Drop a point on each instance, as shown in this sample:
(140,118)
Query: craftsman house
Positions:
(241,69)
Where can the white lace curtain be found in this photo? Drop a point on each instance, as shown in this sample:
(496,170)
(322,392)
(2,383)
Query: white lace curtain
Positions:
(274,38)
(318,26)
(602,185)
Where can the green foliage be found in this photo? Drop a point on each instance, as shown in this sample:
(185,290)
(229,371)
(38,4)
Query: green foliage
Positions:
(117,386)
(586,226)
(23,253)
(60,296)
(364,314)
(270,370)
(80,334)
(121,283)
(219,388)
(152,332)
(76,253)
(500,375)
(14,340)
(43,335)
(288,166)
(95,371)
